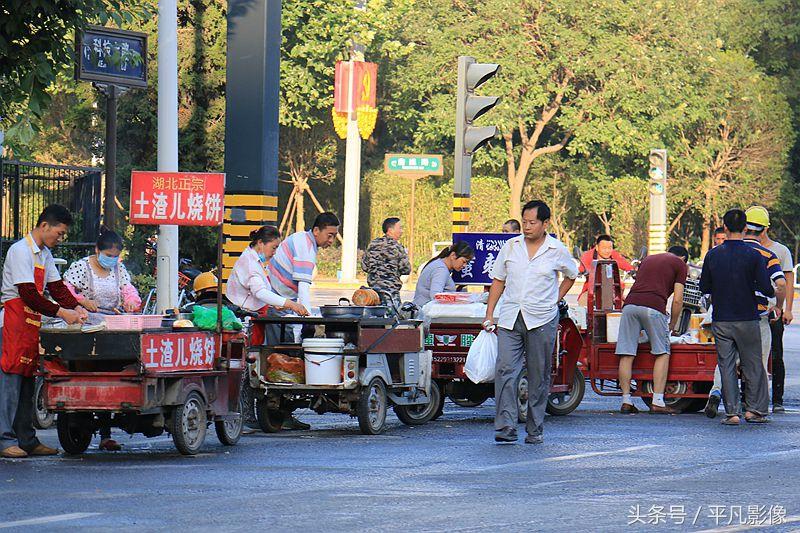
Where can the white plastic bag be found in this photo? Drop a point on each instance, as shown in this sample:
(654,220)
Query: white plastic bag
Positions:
(482,357)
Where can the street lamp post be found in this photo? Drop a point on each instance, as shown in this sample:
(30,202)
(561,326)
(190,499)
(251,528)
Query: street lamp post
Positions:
(167,252)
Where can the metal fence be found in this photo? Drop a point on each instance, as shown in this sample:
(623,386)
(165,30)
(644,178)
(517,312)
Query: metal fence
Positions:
(27,188)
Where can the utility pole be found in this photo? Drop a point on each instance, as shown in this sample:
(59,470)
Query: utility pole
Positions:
(352,171)
(167,251)
(109,203)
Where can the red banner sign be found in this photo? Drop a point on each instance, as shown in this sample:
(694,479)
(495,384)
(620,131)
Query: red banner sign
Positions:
(365,81)
(177,198)
(177,352)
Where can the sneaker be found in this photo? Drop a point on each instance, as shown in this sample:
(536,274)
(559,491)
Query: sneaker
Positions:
(534,439)
(507,434)
(712,407)
(778,408)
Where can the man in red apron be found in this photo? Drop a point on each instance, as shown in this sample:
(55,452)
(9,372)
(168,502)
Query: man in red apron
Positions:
(29,269)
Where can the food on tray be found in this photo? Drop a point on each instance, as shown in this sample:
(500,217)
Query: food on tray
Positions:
(285,369)
(454,298)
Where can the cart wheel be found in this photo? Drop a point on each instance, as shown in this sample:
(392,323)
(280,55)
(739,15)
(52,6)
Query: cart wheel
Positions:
(372,407)
(229,431)
(682,405)
(522,396)
(189,422)
(476,398)
(74,433)
(563,403)
(269,420)
(416,415)
(440,407)
(42,418)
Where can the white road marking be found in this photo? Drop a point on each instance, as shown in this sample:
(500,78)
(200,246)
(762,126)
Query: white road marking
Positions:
(607,452)
(748,527)
(47,519)
(568,457)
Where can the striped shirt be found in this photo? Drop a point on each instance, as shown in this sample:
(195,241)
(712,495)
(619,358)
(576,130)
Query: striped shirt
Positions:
(294,261)
(773,269)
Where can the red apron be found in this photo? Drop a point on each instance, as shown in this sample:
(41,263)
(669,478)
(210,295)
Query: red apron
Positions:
(258,332)
(21,329)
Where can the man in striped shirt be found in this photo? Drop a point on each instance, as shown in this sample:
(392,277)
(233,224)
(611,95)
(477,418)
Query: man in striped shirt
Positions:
(766,309)
(292,267)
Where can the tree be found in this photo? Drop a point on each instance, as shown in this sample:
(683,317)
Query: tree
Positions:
(588,75)
(734,151)
(36,46)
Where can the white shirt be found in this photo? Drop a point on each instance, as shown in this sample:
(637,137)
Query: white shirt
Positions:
(531,284)
(248,285)
(19,265)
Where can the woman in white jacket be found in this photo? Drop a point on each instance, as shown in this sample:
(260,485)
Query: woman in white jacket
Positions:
(249,286)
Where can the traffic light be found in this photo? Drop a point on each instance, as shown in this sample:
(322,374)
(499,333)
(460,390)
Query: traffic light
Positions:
(469,138)
(657,242)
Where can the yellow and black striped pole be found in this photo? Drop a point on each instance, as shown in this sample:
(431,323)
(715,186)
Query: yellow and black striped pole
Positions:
(461,212)
(243,214)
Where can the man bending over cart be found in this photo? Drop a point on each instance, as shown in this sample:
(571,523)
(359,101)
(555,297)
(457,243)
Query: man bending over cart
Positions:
(645,309)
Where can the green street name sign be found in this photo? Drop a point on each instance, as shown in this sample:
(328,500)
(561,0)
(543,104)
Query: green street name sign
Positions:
(429,165)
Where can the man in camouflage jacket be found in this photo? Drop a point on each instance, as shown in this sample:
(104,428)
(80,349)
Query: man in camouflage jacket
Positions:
(386,260)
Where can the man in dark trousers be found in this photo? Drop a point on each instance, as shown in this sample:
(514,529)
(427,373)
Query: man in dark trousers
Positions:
(732,274)
(29,269)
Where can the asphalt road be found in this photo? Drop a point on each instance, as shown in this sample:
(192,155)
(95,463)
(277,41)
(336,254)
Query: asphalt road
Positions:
(597,471)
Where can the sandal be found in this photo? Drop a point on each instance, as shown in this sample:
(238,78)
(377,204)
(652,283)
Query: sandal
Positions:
(756,419)
(729,420)
(109,445)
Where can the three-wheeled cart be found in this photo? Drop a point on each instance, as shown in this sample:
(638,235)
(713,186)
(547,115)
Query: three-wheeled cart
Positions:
(691,366)
(383,364)
(145,382)
(449,339)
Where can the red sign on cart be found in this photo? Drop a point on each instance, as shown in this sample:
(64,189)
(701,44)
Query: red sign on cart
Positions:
(178,352)
(177,198)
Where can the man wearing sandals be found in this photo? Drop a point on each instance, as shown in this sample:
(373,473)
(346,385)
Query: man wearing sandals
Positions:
(732,274)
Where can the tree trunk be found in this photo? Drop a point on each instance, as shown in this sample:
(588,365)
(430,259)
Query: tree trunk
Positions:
(706,240)
(515,206)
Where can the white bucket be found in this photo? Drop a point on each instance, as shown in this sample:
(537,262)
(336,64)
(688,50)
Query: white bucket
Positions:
(323,361)
(612,326)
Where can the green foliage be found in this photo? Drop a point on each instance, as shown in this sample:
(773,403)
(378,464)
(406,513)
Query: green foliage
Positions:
(37,45)
(588,87)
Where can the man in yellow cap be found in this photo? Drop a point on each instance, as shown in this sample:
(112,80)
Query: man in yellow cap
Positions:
(758,225)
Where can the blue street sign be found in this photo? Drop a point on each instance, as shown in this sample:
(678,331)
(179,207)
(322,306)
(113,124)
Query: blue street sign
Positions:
(112,56)
(486,246)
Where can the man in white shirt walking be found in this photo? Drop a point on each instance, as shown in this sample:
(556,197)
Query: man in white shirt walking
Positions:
(526,273)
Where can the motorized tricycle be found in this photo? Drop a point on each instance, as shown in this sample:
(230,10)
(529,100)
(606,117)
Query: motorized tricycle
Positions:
(145,382)
(450,340)
(381,362)
(691,366)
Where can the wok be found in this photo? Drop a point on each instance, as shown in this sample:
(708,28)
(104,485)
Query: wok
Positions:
(345,310)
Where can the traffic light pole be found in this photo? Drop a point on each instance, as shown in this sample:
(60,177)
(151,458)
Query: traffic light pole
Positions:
(657,238)
(462,172)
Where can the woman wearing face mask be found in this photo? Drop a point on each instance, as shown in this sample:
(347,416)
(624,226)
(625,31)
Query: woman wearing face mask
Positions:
(436,275)
(101,283)
(249,286)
